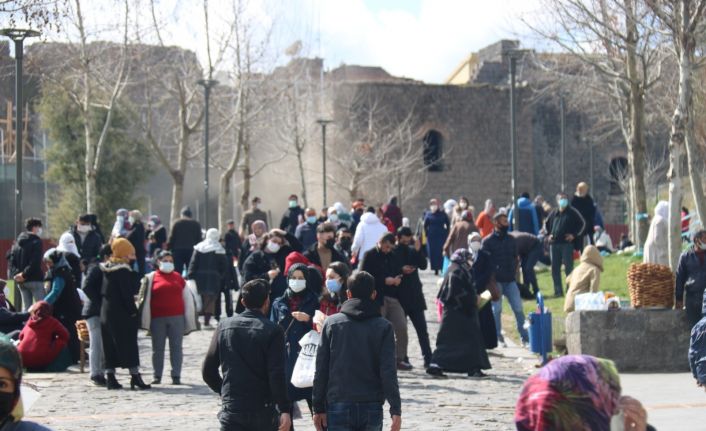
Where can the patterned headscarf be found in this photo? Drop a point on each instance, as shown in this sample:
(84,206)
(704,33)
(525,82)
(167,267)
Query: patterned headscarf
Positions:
(461,256)
(576,392)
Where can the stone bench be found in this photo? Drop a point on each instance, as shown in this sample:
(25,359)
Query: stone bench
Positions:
(639,340)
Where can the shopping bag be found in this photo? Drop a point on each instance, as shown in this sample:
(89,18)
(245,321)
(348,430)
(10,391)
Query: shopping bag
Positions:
(191,285)
(305,368)
(590,301)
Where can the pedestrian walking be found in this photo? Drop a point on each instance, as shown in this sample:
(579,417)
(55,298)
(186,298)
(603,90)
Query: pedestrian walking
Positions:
(92,286)
(137,237)
(119,320)
(233,244)
(459,345)
(355,365)
(393,212)
(691,279)
(306,231)
(502,249)
(408,252)
(367,234)
(252,215)
(87,240)
(583,203)
(208,269)
(334,294)
(436,228)
(293,217)
(25,263)
(185,234)
(458,236)
(294,313)
(523,216)
(656,244)
(249,350)
(564,224)
(322,253)
(168,311)
(387,272)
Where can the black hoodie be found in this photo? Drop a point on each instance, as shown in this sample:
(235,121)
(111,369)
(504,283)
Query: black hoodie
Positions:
(25,257)
(355,362)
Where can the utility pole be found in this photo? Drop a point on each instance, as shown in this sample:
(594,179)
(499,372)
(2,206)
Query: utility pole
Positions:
(207,84)
(323,124)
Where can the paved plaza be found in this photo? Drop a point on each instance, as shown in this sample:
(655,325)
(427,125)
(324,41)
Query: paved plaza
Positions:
(68,402)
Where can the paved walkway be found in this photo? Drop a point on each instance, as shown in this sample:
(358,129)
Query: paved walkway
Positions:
(68,402)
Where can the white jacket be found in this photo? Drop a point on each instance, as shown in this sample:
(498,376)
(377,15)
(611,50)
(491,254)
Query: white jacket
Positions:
(367,234)
(658,236)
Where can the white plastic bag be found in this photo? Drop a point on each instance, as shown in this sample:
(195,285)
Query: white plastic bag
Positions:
(590,301)
(191,285)
(305,368)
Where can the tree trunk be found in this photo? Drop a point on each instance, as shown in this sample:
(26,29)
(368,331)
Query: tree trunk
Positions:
(245,197)
(224,199)
(302,178)
(177,197)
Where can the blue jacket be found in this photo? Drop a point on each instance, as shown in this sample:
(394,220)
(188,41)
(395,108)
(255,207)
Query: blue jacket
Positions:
(697,350)
(523,217)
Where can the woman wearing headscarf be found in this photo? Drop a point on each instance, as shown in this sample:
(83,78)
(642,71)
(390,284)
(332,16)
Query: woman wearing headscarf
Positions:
(121,225)
(67,246)
(658,236)
(136,236)
(459,344)
(252,241)
(458,237)
(577,393)
(208,268)
(63,297)
(482,271)
(436,228)
(159,232)
(393,212)
(11,408)
(119,320)
(269,261)
(293,312)
(43,340)
(167,310)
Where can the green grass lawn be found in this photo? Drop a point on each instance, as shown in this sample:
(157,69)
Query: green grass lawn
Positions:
(613,279)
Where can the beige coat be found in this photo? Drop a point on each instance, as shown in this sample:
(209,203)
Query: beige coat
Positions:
(143,305)
(584,278)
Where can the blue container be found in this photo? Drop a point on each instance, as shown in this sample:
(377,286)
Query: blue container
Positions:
(540,331)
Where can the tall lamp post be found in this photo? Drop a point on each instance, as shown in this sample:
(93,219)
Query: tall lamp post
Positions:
(323,124)
(207,84)
(514,54)
(18,36)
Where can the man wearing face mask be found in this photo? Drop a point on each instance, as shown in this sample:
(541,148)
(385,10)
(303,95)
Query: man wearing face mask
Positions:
(306,231)
(323,253)
(563,226)
(25,259)
(691,279)
(293,217)
(344,242)
(87,240)
(502,249)
(252,215)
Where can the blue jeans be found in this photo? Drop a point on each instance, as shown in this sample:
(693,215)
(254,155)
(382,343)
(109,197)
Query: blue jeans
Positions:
(512,292)
(561,253)
(354,417)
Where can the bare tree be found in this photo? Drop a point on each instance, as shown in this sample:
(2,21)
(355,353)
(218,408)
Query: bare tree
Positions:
(38,14)
(682,20)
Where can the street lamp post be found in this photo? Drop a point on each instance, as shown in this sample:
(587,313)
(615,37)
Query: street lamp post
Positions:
(323,124)
(562,132)
(18,36)
(207,84)
(513,54)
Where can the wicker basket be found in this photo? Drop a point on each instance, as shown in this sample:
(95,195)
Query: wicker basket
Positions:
(82,330)
(650,285)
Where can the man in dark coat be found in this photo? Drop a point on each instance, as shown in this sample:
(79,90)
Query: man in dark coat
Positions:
(25,264)
(344,242)
(691,279)
(293,217)
(185,234)
(393,212)
(136,236)
(583,203)
(251,216)
(564,224)
(408,252)
(305,233)
(86,238)
(322,253)
(232,240)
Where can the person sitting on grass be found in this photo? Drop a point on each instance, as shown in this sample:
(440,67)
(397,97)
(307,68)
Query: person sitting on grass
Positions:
(584,278)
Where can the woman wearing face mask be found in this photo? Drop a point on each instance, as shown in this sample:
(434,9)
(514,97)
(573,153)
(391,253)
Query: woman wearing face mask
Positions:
(294,311)
(67,246)
(460,207)
(252,241)
(121,225)
(436,227)
(11,409)
(167,310)
(268,262)
(482,272)
(458,236)
(335,293)
(208,268)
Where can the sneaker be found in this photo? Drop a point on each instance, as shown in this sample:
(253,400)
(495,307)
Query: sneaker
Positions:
(435,371)
(477,374)
(404,366)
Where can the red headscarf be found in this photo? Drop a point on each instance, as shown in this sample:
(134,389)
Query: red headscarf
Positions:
(41,310)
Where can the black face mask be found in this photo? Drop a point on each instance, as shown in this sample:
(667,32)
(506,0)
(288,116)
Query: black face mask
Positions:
(346,244)
(330,242)
(7,403)
(503,230)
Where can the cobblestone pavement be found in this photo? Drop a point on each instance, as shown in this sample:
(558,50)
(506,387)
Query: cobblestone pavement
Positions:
(68,402)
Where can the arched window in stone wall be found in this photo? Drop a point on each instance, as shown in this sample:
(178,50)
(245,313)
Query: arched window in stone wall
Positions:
(618,175)
(433,147)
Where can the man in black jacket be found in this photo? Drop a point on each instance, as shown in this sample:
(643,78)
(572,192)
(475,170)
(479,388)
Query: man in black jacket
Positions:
(185,234)
(583,203)
(232,240)
(249,349)
(383,265)
(355,364)
(293,217)
(322,252)
(86,238)
(563,226)
(408,252)
(530,249)
(25,259)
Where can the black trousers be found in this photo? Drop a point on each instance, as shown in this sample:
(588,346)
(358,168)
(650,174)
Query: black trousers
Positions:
(182,258)
(264,420)
(693,302)
(420,326)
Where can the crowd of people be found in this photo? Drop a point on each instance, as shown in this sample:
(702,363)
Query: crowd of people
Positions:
(357,267)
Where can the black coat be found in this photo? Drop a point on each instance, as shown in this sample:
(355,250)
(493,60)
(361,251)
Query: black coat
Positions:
(259,263)
(208,270)
(502,249)
(92,286)
(89,246)
(313,255)
(11,320)
(411,295)
(25,256)
(136,236)
(75,264)
(587,209)
(233,243)
(119,320)
(381,266)
(290,219)
(185,234)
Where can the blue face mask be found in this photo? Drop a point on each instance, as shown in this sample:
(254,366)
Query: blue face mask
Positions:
(311,219)
(563,203)
(333,286)
(292,204)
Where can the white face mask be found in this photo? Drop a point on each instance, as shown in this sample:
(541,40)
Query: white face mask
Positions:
(131,220)
(39,231)
(463,205)
(272,247)
(474,246)
(84,228)
(434,208)
(297,285)
(166,267)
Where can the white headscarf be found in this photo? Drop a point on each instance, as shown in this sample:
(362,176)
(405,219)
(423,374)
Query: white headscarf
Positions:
(211,243)
(449,206)
(68,244)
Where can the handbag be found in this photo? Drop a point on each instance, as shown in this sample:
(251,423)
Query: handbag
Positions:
(191,285)
(305,367)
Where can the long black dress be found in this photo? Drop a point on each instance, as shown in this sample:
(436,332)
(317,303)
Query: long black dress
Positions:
(119,321)
(483,275)
(459,345)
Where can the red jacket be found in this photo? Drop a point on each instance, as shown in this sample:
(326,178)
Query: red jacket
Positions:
(41,341)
